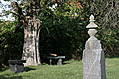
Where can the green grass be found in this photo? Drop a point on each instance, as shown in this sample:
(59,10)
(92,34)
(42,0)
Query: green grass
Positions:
(112,68)
(71,70)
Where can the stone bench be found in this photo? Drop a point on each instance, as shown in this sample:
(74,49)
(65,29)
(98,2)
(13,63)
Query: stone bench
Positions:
(16,66)
(59,62)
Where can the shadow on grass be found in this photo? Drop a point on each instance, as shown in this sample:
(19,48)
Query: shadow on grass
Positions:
(4,69)
(26,69)
(8,76)
(65,63)
(117,56)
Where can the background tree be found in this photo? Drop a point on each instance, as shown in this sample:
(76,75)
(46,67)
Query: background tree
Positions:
(55,27)
(62,29)
(31,23)
(107,14)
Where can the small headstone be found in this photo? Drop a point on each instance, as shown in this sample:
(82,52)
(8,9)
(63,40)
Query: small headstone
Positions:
(16,66)
(93,55)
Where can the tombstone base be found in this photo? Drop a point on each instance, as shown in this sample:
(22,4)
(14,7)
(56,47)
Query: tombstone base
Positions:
(93,64)
(16,66)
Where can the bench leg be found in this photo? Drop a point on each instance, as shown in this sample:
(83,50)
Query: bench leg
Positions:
(59,62)
(50,62)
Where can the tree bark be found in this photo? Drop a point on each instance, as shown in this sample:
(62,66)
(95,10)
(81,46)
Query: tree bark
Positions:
(31,34)
(31,42)
(31,24)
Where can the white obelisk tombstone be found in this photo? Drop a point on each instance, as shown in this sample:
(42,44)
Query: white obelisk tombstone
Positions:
(93,56)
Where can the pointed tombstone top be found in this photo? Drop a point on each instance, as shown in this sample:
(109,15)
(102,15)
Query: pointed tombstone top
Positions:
(91,24)
(91,18)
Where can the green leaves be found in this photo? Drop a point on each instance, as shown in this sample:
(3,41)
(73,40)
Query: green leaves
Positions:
(61,33)
(10,44)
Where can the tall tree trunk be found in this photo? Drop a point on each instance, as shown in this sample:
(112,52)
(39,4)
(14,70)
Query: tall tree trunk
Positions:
(31,24)
(31,35)
(31,42)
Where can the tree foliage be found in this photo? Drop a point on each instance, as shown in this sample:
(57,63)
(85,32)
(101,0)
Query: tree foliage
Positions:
(107,14)
(62,31)
(11,44)
(63,28)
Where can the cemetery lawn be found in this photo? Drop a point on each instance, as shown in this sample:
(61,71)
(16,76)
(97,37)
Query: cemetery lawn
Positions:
(70,70)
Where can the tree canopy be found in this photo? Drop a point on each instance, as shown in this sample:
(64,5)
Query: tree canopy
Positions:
(63,27)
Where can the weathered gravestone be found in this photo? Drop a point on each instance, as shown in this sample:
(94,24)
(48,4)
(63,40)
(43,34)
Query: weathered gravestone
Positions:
(93,55)
(16,66)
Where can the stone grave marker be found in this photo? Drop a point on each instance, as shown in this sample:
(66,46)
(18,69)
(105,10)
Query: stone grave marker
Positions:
(93,55)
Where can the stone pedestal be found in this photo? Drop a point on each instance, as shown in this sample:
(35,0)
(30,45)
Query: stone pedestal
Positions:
(93,55)
(16,66)
(93,64)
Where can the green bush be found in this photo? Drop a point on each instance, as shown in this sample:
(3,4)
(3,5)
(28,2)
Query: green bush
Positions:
(11,43)
(61,33)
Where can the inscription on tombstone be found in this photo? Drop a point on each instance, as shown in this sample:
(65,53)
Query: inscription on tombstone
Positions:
(93,55)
